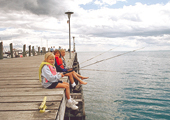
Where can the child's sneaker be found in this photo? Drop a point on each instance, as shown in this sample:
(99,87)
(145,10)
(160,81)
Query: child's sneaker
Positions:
(72,106)
(74,102)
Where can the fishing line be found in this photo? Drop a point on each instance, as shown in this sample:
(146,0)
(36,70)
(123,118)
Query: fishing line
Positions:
(104,70)
(111,57)
(99,70)
(97,55)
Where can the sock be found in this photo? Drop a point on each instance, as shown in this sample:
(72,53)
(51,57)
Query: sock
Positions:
(74,84)
(69,101)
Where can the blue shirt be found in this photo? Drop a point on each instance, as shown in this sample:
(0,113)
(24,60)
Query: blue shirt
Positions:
(46,73)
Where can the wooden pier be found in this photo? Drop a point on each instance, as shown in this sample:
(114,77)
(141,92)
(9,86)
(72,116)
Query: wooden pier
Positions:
(21,92)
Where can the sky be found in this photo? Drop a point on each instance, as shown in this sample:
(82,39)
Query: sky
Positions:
(97,25)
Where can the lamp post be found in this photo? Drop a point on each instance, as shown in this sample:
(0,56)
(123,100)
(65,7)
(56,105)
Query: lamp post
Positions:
(74,44)
(69,15)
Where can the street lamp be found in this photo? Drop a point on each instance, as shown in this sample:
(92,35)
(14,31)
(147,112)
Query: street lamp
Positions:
(74,44)
(69,15)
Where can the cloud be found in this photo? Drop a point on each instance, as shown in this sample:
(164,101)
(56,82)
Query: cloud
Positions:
(53,8)
(107,2)
(138,20)
(82,2)
(38,22)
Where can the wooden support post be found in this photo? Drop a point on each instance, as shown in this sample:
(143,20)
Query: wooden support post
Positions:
(44,50)
(1,50)
(38,50)
(24,52)
(11,50)
(33,51)
(29,50)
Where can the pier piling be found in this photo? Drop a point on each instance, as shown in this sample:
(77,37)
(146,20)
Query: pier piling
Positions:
(24,51)
(1,50)
(11,49)
(29,50)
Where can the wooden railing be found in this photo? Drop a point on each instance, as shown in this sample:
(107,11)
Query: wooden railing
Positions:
(30,52)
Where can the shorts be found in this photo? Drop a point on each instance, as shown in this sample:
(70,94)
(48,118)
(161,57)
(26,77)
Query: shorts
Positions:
(53,85)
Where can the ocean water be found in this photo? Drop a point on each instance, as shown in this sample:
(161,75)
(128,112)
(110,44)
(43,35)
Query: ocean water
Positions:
(133,86)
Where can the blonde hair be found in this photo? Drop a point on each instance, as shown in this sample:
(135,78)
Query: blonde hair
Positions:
(47,55)
(62,50)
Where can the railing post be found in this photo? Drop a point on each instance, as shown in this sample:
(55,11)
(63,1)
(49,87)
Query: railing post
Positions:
(43,50)
(38,50)
(11,50)
(1,50)
(33,52)
(29,50)
(24,52)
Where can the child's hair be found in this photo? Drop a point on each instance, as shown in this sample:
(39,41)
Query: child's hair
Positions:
(56,50)
(47,55)
(62,50)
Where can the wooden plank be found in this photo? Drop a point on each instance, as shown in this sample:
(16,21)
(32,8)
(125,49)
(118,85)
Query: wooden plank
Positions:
(23,77)
(20,82)
(30,89)
(25,89)
(14,71)
(28,115)
(19,86)
(17,99)
(3,78)
(34,93)
(28,106)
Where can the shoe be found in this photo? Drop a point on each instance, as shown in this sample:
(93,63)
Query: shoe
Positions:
(72,106)
(77,88)
(74,102)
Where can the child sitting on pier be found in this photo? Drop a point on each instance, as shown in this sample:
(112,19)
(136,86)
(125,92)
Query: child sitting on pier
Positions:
(62,52)
(60,67)
(50,79)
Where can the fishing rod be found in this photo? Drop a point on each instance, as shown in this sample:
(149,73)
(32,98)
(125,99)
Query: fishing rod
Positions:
(112,57)
(99,70)
(104,70)
(97,55)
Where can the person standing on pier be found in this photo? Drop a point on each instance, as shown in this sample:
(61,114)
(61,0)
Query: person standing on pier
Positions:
(50,79)
(51,49)
(71,74)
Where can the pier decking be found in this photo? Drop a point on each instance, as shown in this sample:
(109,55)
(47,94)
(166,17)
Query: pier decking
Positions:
(21,92)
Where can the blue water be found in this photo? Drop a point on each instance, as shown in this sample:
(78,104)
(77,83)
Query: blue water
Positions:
(134,86)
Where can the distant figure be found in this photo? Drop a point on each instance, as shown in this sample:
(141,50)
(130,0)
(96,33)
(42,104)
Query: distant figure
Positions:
(51,49)
(50,79)
(59,47)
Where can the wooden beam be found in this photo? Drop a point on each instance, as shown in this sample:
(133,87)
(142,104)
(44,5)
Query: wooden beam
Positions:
(1,50)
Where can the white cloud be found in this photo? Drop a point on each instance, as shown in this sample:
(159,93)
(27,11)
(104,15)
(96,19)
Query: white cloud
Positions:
(102,29)
(107,2)
(84,2)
